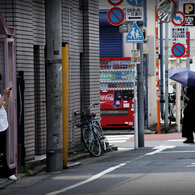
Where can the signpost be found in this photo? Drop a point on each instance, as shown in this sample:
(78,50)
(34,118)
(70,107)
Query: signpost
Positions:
(134,35)
(178,50)
(179,19)
(115,16)
(134,14)
(179,35)
(188,8)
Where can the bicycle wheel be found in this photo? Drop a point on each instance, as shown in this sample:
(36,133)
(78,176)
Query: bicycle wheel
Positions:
(91,141)
(98,130)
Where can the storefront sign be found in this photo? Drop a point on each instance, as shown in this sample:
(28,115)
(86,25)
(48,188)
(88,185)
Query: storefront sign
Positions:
(190,21)
(188,8)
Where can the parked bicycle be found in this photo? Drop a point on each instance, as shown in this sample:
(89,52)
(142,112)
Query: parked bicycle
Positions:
(91,132)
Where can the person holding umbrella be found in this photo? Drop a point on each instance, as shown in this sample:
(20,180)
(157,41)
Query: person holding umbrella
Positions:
(189,115)
(186,77)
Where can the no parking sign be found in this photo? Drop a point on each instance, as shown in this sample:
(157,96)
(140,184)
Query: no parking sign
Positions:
(178,50)
(115,16)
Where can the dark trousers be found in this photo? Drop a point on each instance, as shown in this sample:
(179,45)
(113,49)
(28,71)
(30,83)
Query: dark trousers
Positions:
(5,171)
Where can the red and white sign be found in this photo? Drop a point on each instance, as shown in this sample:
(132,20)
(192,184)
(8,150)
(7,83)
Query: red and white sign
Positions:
(115,16)
(115,2)
(179,19)
(107,97)
(187,54)
(178,50)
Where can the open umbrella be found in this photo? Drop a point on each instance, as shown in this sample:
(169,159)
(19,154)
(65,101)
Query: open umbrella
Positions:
(182,75)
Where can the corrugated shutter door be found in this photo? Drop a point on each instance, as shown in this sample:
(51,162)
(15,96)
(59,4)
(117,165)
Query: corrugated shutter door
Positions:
(111,40)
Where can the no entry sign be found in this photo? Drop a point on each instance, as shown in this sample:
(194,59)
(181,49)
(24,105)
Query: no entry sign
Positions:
(115,16)
(179,19)
(178,50)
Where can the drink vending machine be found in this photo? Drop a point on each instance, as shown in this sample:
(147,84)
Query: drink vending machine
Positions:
(116,92)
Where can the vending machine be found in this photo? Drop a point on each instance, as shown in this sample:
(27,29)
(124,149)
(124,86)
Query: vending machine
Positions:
(116,92)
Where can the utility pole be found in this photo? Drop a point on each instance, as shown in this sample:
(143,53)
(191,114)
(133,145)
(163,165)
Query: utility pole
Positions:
(54,161)
(166,77)
(140,86)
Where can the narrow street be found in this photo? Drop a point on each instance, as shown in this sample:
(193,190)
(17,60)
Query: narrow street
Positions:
(164,166)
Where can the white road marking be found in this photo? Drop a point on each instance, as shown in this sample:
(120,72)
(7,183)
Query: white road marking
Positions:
(90,179)
(176,140)
(118,138)
(159,149)
(190,151)
(192,165)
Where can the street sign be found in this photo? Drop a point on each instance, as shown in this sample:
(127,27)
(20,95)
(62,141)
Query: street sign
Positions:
(115,2)
(134,2)
(179,35)
(134,14)
(188,8)
(189,21)
(179,19)
(134,35)
(115,16)
(178,50)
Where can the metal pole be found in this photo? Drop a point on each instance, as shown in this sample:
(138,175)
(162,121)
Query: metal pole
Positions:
(54,161)
(178,98)
(140,87)
(161,71)
(166,77)
(135,103)
(157,75)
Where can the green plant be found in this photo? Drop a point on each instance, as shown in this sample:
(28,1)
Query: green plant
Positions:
(27,170)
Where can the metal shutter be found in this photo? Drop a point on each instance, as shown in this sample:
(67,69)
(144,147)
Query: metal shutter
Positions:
(111,40)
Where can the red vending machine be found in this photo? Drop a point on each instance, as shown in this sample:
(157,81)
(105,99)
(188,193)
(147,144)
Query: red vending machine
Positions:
(116,92)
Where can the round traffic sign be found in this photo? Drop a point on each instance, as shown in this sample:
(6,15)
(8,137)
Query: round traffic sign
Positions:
(178,50)
(115,16)
(179,19)
(115,2)
(134,2)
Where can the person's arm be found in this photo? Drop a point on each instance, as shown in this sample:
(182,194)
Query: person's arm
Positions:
(6,103)
(185,96)
(2,99)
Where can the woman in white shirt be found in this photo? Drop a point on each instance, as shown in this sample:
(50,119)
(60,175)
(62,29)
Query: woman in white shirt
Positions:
(4,101)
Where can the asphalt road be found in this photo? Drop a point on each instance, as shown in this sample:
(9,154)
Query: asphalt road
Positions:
(164,166)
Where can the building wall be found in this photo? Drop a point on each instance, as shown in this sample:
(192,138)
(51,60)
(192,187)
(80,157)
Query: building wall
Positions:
(80,30)
(39,75)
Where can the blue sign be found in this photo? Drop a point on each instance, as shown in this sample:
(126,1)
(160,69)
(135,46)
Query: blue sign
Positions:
(134,2)
(135,35)
(115,16)
(178,50)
